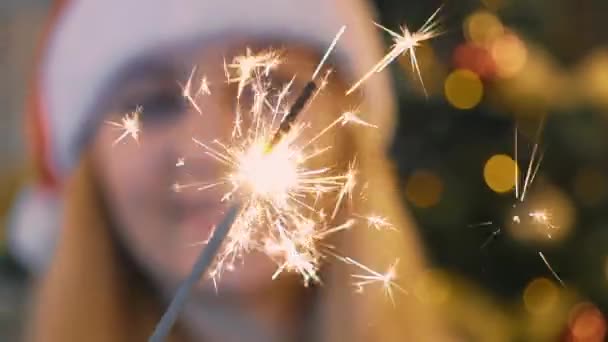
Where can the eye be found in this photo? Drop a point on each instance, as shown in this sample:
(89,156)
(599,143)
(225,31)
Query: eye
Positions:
(161,101)
(161,105)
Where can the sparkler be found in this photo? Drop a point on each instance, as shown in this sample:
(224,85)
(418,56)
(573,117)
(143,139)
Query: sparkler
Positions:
(130,125)
(267,170)
(277,197)
(404,43)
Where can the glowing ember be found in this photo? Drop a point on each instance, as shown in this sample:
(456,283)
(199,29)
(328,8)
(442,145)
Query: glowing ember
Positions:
(130,125)
(403,43)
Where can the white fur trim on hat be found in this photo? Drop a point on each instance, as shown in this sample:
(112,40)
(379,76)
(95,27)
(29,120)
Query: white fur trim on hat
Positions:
(33,226)
(94,39)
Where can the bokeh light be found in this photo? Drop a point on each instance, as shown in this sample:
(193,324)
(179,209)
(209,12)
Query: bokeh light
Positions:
(587,324)
(463,89)
(482,28)
(494,5)
(475,58)
(424,189)
(499,173)
(541,296)
(540,81)
(590,185)
(510,55)
(433,287)
(594,77)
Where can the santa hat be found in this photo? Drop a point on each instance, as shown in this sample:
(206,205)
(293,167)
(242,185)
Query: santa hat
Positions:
(91,41)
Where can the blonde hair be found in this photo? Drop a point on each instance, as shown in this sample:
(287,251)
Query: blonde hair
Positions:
(89,294)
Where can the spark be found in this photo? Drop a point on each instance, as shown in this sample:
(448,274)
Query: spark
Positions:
(537,216)
(350,180)
(540,217)
(283,198)
(532,167)
(204,88)
(187,92)
(282,94)
(277,188)
(491,238)
(378,222)
(386,280)
(542,256)
(328,52)
(180,162)
(493,235)
(247,65)
(543,218)
(404,43)
(481,224)
(351,117)
(130,125)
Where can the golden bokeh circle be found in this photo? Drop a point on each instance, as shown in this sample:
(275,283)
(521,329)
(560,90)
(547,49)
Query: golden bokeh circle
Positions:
(424,189)
(500,172)
(463,89)
(483,27)
(541,296)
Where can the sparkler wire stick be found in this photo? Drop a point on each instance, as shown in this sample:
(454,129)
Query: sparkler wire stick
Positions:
(528,180)
(304,97)
(295,109)
(205,259)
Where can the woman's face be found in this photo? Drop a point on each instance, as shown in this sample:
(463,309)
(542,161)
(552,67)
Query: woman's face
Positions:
(162,228)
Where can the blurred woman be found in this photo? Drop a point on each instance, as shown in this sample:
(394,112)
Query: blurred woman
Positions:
(125,239)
